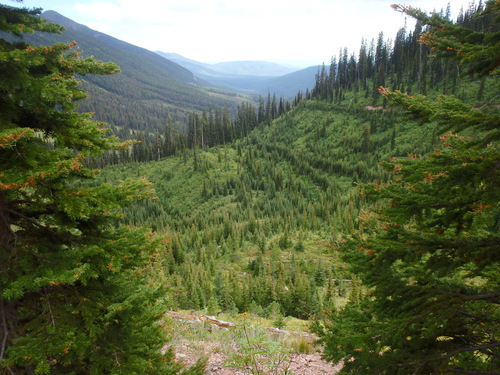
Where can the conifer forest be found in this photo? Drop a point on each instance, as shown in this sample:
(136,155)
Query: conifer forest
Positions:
(366,207)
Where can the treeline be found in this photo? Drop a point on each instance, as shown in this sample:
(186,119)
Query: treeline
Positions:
(253,214)
(209,128)
(403,64)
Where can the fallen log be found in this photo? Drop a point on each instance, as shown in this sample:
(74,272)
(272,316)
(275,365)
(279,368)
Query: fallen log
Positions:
(217,322)
(201,318)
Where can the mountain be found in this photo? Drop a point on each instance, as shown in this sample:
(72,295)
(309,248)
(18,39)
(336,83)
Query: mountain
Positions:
(196,67)
(229,68)
(250,77)
(290,84)
(149,88)
(252,68)
(92,42)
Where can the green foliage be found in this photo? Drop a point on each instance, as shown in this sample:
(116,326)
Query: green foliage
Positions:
(212,306)
(253,221)
(78,293)
(471,47)
(428,248)
(475,46)
(259,354)
(279,322)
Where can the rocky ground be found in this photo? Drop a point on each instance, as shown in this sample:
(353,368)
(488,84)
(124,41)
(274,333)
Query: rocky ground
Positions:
(300,364)
(196,337)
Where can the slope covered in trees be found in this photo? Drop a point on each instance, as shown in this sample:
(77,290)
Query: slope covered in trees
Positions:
(376,221)
(277,219)
(428,248)
(148,91)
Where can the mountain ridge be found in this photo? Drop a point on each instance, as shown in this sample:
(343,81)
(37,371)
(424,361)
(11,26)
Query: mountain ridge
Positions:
(250,77)
(173,68)
(257,68)
(149,92)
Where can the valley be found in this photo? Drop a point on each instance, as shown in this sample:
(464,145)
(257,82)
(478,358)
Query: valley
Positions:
(347,210)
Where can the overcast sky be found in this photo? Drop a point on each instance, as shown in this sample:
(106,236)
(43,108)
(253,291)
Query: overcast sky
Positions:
(306,32)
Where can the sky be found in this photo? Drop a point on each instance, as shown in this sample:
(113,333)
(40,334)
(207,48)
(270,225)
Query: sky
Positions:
(294,32)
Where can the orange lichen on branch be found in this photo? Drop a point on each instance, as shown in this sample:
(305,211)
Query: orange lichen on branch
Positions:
(15,185)
(366,216)
(384,91)
(430,177)
(12,138)
(75,163)
(124,145)
(8,186)
(444,138)
(66,348)
(481,207)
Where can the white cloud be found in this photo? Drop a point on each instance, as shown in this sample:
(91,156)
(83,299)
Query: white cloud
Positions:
(101,11)
(209,30)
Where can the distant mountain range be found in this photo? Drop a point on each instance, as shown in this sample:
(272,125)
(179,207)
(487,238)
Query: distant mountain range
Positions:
(246,68)
(152,88)
(252,77)
(149,90)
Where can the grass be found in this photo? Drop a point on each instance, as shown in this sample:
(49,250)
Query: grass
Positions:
(204,338)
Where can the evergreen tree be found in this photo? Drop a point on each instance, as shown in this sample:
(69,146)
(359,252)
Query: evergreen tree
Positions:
(78,294)
(430,255)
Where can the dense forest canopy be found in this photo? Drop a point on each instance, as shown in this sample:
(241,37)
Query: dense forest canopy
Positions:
(368,205)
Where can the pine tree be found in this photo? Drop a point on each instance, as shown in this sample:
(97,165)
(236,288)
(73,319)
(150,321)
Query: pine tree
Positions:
(78,294)
(429,253)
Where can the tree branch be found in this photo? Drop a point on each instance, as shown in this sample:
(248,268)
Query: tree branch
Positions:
(5,330)
(478,297)
(480,348)
(29,219)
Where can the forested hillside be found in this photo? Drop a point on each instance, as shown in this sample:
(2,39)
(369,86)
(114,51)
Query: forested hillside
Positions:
(367,206)
(149,91)
(263,210)
(262,223)
(266,209)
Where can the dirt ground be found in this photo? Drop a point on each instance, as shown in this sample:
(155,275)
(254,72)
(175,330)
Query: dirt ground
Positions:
(200,336)
(300,364)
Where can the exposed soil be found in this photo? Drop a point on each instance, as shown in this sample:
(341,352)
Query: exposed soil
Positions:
(218,342)
(300,364)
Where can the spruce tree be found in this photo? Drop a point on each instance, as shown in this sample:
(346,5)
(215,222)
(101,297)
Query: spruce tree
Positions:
(78,293)
(429,250)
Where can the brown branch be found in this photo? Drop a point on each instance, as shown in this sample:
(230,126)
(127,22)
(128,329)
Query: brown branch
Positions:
(50,308)
(5,330)
(6,333)
(29,219)
(480,348)
(7,235)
